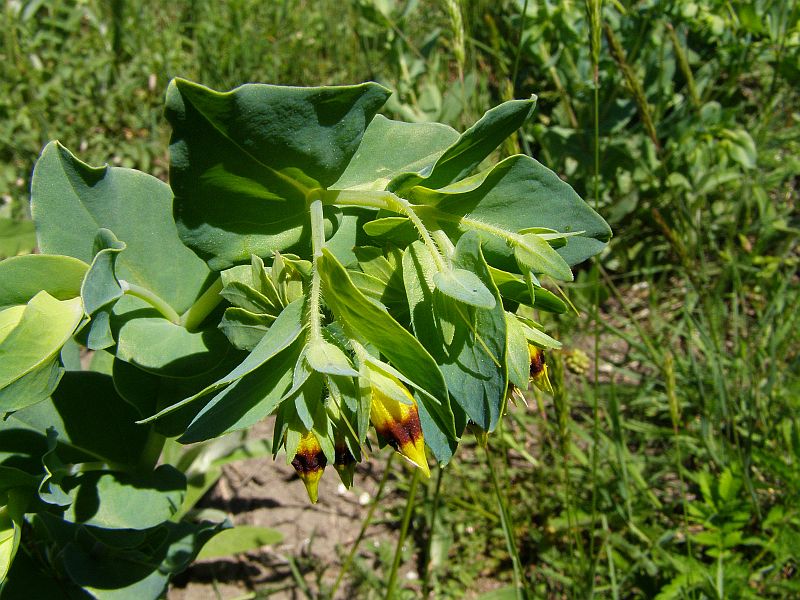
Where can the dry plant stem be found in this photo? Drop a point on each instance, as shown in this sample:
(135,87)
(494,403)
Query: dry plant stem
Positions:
(398,552)
(633,84)
(364,526)
(508,532)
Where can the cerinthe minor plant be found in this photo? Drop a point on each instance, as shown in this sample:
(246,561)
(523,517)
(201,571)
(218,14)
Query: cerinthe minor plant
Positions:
(310,260)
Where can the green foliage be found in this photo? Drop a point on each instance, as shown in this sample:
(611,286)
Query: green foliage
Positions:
(199,353)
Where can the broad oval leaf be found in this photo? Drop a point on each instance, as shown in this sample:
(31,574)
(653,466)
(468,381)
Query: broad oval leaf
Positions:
(114,500)
(242,162)
(71,200)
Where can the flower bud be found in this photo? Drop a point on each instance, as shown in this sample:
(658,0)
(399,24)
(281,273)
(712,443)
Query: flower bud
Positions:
(345,464)
(309,462)
(398,423)
(539,369)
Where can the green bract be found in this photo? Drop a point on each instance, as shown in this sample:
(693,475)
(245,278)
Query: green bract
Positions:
(307,258)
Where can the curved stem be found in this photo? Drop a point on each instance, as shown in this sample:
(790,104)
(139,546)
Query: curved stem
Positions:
(398,552)
(152,299)
(364,526)
(207,302)
(387,201)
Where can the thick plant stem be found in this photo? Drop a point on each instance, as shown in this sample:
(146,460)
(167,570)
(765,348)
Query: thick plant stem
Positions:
(152,299)
(207,302)
(398,552)
(508,532)
(364,526)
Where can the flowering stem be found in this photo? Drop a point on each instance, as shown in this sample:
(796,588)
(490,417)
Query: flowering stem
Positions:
(317,242)
(398,552)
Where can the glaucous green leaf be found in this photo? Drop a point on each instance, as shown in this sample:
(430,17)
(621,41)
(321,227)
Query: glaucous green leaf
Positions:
(325,357)
(32,387)
(471,147)
(243,328)
(513,287)
(247,400)
(90,418)
(11,523)
(116,500)
(242,162)
(282,334)
(464,286)
(164,348)
(22,277)
(535,254)
(414,147)
(70,201)
(518,359)
(100,290)
(124,564)
(516,194)
(472,356)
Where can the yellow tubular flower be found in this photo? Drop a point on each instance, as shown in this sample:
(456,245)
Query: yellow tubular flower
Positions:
(399,425)
(309,462)
(539,369)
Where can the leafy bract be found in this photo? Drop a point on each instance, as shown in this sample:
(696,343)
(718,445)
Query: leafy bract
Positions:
(516,194)
(70,201)
(242,162)
(377,327)
(472,355)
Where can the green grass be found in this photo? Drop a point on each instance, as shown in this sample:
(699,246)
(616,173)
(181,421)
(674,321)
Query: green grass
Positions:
(669,466)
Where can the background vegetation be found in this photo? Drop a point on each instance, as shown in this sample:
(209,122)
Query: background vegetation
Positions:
(667,463)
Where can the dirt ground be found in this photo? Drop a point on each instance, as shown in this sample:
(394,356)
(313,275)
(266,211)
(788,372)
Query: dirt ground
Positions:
(266,493)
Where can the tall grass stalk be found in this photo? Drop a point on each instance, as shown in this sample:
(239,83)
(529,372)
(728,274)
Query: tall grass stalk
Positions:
(426,563)
(364,526)
(508,531)
(593,8)
(401,540)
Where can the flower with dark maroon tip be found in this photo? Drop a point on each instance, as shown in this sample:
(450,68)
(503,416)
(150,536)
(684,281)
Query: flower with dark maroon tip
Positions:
(309,462)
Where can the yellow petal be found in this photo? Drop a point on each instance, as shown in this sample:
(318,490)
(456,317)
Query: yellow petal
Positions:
(399,425)
(309,462)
